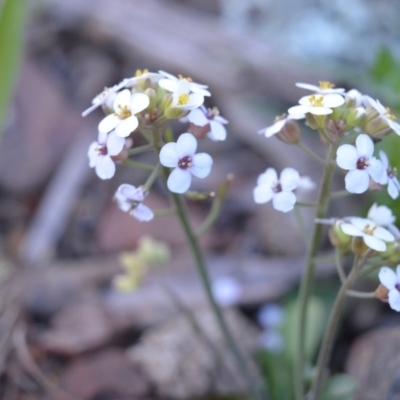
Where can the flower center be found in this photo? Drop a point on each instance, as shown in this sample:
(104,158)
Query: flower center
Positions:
(279,117)
(392,172)
(124,112)
(185,162)
(140,72)
(369,230)
(362,163)
(102,149)
(133,204)
(187,78)
(211,113)
(326,85)
(316,101)
(277,187)
(389,114)
(183,99)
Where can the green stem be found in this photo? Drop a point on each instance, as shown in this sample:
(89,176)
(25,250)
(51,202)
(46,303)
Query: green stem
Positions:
(308,275)
(202,270)
(301,225)
(310,153)
(333,323)
(339,266)
(137,164)
(140,149)
(339,194)
(361,295)
(164,213)
(305,204)
(153,176)
(210,219)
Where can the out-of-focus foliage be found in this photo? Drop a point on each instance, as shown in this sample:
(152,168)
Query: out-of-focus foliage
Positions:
(12,22)
(339,387)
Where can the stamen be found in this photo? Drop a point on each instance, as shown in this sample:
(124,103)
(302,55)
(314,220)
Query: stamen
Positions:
(124,112)
(369,230)
(389,114)
(185,162)
(326,85)
(316,101)
(280,117)
(362,163)
(140,72)
(183,99)
(277,187)
(189,79)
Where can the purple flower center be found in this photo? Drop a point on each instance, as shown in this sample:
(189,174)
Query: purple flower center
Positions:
(185,162)
(277,187)
(362,163)
(102,149)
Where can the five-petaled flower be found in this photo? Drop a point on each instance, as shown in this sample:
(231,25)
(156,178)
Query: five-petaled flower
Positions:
(129,199)
(280,191)
(389,176)
(324,87)
(391,280)
(125,106)
(181,156)
(384,112)
(360,163)
(100,154)
(205,116)
(374,236)
(317,104)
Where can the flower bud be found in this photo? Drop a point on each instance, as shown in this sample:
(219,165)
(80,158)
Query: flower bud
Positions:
(338,238)
(337,113)
(358,246)
(382,293)
(356,117)
(152,96)
(315,121)
(152,251)
(175,113)
(375,126)
(290,132)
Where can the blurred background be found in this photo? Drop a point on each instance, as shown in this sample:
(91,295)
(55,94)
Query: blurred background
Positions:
(65,332)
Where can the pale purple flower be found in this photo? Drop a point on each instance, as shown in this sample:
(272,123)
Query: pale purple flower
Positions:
(360,163)
(280,191)
(100,154)
(391,280)
(183,158)
(129,199)
(125,106)
(202,116)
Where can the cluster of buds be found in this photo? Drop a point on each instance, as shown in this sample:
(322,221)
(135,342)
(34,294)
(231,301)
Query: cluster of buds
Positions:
(143,105)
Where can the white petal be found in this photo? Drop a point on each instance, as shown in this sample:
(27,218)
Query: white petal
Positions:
(387,277)
(393,188)
(374,243)
(384,158)
(105,167)
(221,120)
(269,178)
(394,300)
(289,179)
(307,86)
(378,106)
(186,145)
(218,131)
(202,163)
(122,100)
(127,126)
(115,144)
(195,100)
(381,215)
(365,146)
(139,102)
(320,111)
(179,180)
(395,126)
(131,192)
(168,75)
(93,154)
(169,155)
(351,230)
(347,157)
(383,234)
(142,213)
(376,170)
(398,273)
(197,117)
(168,84)
(262,194)
(284,201)
(275,128)
(299,111)
(357,181)
(109,123)
(333,100)
(361,223)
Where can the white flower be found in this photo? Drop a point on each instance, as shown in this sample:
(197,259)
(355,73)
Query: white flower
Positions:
(381,215)
(203,116)
(183,98)
(129,199)
(389,176)
(391,280)
(324,87)
(355,96)
(226,291)
(280,191)
(360,163)
(279,123)
(306,184)
(384,112)
(374,236)
(181,156)
(125,106)
(270,316)
(317,104)
(100,154)
(170,83)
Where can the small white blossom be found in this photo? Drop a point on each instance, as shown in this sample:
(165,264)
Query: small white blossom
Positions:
(355,96)
(170,83)
(384,112)
(324,87)
(203,116)
(129,199)
(100,154)
(381,215)
(317,104)
(360,163)
(391,280)
(389,176)
(183,98)
(270,316)
(181,156)
(280,191)
(374,236)
(125,106)
(226,291)
(279,123)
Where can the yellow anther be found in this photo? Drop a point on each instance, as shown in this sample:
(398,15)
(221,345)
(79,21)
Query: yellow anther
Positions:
(215,111)
(389,114)
(183,99)
(280,117)
(369,230)
(326,85)
(316,101)
(187,78)
(124,112)
(140,72)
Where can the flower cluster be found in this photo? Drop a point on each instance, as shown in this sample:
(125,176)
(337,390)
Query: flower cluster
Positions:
(141,107)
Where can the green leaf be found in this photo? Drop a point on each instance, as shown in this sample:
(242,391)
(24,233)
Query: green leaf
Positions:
(12,21)
(339,387)
(385,66)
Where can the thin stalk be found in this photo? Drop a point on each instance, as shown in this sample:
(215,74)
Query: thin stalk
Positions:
(164,213)
(339,266)
(333,323)
(140,149)
(210,219)
(310,153)
(202,270)
(301,225)
(361,295)
(137,164)
(308,274)
(339,194)
(305,204)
